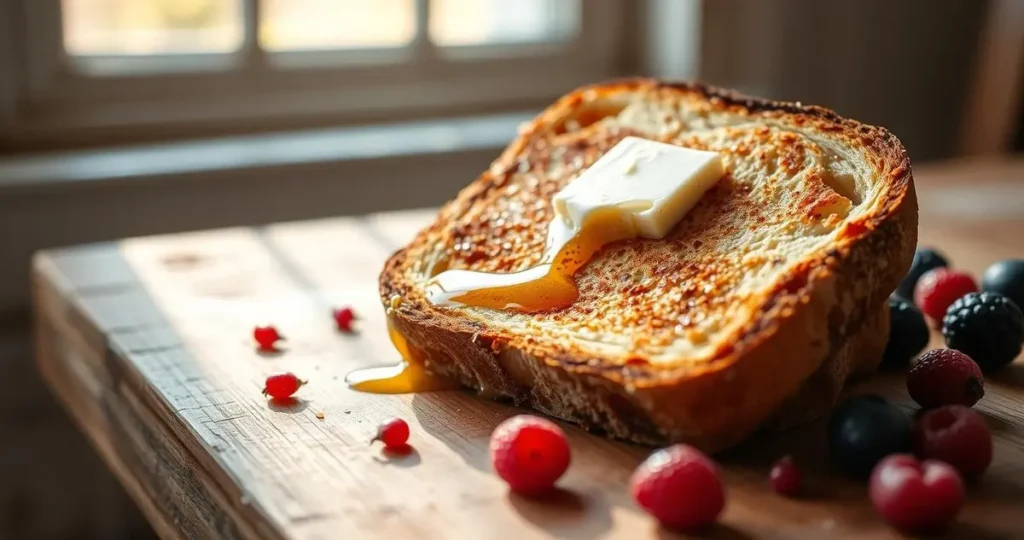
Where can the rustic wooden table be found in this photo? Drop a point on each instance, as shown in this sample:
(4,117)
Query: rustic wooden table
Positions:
(146,343)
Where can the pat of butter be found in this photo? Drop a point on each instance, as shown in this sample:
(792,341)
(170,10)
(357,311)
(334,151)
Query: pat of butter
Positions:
(638,188)
(650,183)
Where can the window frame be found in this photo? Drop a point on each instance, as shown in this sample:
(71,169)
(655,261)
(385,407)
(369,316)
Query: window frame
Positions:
(58,104)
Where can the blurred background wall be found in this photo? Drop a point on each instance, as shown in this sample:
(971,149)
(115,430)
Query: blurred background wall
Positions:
(904,65)
(89,160)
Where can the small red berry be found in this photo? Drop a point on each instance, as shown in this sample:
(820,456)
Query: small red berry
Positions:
(529,453)
(945,377)
(956,435)
(394,433)
(915,496)
(680,487)
(344,317)
(282,386)
(785,477)
(266,337)
(939,288)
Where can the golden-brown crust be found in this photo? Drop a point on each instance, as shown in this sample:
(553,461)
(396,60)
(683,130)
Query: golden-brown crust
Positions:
(810,316)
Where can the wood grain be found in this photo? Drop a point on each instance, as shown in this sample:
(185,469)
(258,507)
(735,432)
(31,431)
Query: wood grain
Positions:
(146,342)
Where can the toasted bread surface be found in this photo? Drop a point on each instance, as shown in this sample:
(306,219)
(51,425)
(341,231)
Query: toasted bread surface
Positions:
(703,335)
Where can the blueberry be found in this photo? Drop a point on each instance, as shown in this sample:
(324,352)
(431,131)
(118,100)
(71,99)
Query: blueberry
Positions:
(908,334)
(1006,278)
(865,429)
(925,259)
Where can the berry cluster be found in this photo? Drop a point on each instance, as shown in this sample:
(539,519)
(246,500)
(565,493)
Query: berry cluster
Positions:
(916,466)
(984,323)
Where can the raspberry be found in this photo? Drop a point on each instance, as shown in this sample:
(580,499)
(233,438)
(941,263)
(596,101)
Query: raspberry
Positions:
(680,487)
(939,288)
(529,453)
(282,386)
(987,326)
(956,435)
(945,377)
(394,433)
(916,497)
(785,477)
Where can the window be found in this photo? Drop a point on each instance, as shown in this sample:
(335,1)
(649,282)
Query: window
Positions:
(115,69)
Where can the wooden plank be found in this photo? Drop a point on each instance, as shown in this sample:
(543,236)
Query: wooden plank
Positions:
(158,368)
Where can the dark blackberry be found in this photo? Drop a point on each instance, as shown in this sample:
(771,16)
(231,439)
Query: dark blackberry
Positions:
(908,334)
(986,326)
(925,259)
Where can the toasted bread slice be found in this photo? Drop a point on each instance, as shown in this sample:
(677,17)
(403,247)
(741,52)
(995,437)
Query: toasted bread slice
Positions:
(704,335)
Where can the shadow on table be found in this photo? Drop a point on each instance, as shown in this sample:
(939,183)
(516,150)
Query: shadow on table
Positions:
(289,405)
(402,456)
(565,512)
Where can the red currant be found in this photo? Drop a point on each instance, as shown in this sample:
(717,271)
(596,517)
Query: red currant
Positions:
(785,477)
(394,433)
(282,386)
(529,453)
(680,487)
(344,317)
(956,435)
(939,288)
(267,337)
(914,496)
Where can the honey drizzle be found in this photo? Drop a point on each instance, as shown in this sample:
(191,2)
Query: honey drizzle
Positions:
(557,288)
(406,377)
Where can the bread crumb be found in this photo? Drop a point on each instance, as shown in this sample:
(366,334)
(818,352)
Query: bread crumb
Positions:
(319,415)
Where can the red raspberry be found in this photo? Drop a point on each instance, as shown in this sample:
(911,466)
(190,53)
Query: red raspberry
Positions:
(939,288)
(945,377)
(915,496)
(394,433)
(785,477)
(529,453)
(956,435)
(343,318)
(282,386)
(680,487)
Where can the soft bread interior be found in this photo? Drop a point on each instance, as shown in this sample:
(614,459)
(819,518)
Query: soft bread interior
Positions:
(789,193)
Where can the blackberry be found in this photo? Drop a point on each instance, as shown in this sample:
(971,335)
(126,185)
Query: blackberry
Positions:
(908,334)
(986,326)
(925,259)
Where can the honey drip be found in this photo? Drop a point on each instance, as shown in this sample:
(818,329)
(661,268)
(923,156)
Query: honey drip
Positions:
(555,288)
(408,376)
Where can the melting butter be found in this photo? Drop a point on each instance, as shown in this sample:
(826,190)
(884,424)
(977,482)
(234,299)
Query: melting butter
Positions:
(639,188)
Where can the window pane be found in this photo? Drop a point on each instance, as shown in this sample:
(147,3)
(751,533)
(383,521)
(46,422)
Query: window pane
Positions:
(335,24)
(137,27)
(475,22)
